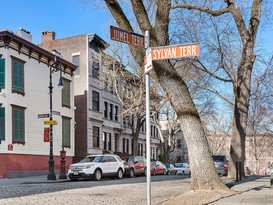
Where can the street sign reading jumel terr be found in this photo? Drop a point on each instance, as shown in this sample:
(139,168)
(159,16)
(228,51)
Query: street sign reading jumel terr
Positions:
(128,37)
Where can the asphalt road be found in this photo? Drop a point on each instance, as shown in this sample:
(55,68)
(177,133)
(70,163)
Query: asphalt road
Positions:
(107,191)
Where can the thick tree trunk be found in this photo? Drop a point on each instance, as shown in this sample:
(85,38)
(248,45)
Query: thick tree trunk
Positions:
(203,173)
(242,96)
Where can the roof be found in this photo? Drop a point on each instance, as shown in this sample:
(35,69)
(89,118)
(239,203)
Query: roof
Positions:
(10,40)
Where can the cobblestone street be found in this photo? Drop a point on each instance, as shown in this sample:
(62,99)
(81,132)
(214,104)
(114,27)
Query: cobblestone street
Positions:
(112,192)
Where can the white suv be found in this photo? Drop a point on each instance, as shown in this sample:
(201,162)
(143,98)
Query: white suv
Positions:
(97,166)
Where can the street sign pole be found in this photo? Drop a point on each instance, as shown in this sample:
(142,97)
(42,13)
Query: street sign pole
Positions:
(148,146)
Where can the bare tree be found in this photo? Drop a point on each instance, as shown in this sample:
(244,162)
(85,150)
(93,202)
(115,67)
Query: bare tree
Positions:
(234,57)
(155,18)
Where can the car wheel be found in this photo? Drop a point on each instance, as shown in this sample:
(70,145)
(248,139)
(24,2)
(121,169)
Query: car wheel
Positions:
(175,173)
(154,172)
(97,175)
(119,173)
(131,173)
(145,172)
(183,172)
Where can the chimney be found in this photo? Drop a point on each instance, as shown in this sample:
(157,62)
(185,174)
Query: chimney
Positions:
(24,34)
(48,36)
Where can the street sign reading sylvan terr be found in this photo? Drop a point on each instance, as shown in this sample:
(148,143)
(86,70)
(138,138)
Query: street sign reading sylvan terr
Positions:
(128,37)
(176,51)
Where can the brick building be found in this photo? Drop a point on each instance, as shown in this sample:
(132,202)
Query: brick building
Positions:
(99,123)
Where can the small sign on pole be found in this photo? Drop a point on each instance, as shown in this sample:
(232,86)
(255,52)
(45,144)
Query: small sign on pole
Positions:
(148,63)
(43,115)
(50,122)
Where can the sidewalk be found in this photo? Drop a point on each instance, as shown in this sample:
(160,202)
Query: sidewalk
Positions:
(30,180)
(253,190)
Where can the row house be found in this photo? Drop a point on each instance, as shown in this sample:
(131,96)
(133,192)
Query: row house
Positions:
(24,97)
(100,126)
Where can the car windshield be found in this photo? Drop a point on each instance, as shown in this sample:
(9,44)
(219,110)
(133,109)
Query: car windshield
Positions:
(218,158)
(152,163)
(129,159)
(178,165)
(92,159)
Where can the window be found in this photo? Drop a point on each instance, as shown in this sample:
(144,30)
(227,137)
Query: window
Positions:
(116,113)
(123,145)
(18,124)
(2,73)
(109,141)
(95,101)
(95,68)
(2,124)
(132,144)
(66,131)
(104,140)
(127,147)
(18,76)
(105,109)
(66,93)
(96,136)
(111,112)
(179,144)
(76,61)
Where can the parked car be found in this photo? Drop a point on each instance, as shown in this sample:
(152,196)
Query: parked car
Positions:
(182,168)
(170,169)
(221,164)
(96,167)
(135,165)
(158,167)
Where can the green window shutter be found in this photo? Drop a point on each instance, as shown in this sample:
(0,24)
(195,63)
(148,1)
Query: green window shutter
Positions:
(66,132)
(2,73)
(2,124)
(66,93)
(18,125)
(18,76)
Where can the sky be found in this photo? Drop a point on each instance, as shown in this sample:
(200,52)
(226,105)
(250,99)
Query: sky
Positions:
(65,17)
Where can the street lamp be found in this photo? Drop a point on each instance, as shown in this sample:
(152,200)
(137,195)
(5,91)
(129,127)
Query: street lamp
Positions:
(55,67)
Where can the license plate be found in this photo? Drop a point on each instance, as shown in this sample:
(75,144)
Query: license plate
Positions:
(76,173)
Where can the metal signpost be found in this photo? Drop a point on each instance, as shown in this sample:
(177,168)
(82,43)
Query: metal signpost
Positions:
(157,53)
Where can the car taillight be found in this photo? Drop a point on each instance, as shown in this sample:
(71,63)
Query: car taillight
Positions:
(225,164)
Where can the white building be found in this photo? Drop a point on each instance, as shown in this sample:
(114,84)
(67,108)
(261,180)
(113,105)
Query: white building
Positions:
(24,94)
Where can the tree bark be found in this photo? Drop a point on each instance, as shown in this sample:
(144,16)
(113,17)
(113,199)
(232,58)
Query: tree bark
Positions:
(204,175)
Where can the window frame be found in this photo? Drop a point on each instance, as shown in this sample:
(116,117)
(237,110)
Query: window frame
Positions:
(66,93)
(95,101)
(64,131)
(21,62)
(96,137)
(14,140)
(2,72)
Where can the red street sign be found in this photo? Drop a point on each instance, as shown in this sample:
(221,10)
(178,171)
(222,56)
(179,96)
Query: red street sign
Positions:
(176,51)
(128,37)
(46,134)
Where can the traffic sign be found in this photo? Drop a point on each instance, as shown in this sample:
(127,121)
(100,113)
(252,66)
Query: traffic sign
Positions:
(176,51)
(50,122)
(148,63)
(127,37)
(43,115)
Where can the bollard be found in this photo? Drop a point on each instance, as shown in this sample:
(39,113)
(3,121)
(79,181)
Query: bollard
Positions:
(62,173)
